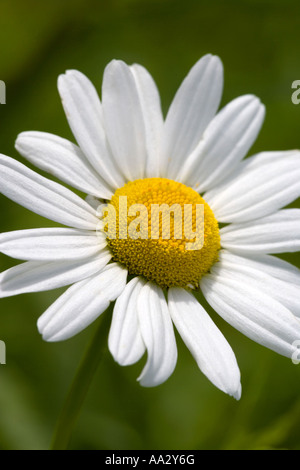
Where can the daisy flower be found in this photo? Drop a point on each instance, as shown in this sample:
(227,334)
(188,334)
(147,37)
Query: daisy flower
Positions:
(127,149)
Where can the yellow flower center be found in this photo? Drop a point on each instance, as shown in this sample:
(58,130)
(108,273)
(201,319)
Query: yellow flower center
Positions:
(162,230)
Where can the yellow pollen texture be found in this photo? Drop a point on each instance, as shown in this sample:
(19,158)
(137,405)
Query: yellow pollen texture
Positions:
(158,238)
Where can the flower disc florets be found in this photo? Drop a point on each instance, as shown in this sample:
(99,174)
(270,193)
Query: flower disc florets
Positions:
(162,230)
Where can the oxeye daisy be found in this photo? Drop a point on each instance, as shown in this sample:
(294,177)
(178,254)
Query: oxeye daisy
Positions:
(192,158)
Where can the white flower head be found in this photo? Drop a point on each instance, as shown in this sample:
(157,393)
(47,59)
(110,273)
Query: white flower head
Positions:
(128,153)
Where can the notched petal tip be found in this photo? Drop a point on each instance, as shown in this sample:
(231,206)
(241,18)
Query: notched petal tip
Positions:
(113,65)
(56,338)
(216,61)
(146,383)
(238,393)
(66,78)
(19,139)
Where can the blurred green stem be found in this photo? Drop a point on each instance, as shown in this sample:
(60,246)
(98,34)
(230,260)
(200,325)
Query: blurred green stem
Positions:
(81,383)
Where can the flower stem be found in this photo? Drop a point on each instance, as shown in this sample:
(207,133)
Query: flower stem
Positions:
(81,383)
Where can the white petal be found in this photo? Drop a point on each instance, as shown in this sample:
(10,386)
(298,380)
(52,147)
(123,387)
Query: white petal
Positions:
(153,118)
(94,202)
(263,186)
(239,267)
(45,197)
(37,276)
(276,233)
(125,340)
(65,160)
(252,312)
(210,349)
(124,119)
(269,264)
(49,244)
(194,105)
(158,335)
(81,304)
(84,113)
(225,142)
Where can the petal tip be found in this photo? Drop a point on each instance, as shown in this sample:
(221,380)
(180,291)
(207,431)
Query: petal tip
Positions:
(238,393)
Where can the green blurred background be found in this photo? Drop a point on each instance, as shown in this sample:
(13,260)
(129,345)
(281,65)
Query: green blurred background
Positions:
(258,42)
